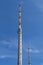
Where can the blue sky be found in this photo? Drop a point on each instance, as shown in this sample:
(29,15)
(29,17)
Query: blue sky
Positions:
(32,20)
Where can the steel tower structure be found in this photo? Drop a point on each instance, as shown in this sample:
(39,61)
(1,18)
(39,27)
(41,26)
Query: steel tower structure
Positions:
(19,35)
(29,59)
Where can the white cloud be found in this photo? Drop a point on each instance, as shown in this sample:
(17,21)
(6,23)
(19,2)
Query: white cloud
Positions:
(7,56)
(38,4)
(10,43)
(8,48)
(34,50)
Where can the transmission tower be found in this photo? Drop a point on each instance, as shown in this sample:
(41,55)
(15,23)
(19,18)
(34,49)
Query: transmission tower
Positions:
(29,59)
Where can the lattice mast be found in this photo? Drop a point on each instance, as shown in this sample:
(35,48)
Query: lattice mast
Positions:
(19,35)
(29,59)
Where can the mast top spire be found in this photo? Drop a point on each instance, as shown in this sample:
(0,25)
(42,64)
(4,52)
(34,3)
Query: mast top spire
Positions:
(19,15)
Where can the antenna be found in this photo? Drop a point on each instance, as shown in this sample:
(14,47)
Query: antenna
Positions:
(29,60)
(19,35)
